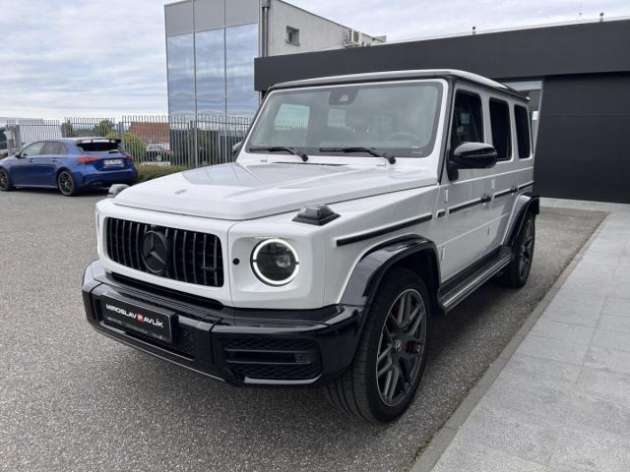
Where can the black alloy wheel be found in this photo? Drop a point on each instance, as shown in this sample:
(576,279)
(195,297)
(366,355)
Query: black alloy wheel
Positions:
(65,183)
(516,274)
(5,182)
(382,381)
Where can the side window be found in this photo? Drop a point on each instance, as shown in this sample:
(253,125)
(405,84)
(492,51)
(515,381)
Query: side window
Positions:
(521,117)
(53,148)
(31,150)
(467,119)
(501,129)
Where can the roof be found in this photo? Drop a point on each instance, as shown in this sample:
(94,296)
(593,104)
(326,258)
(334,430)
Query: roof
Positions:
(400,75)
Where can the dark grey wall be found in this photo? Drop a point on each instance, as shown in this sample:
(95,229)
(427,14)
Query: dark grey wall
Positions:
(584,126)
(575,49)
(583,148)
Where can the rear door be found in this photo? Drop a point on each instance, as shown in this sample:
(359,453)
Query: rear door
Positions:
(46,163)
(23,172)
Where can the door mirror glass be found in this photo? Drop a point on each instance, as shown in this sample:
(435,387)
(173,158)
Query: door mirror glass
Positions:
(474,156)
(236,148)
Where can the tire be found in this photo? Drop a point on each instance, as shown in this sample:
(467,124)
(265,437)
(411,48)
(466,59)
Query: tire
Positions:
(361,391)
(515,275)
(66,183)
(5,181)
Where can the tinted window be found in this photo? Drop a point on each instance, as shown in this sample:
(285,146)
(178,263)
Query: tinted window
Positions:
(31,150)
(400,119)
(53,148)
(521,116)
(467,119)
(98,146)
(501,130)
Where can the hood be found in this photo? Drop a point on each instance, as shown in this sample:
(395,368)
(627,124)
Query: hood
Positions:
(241,192)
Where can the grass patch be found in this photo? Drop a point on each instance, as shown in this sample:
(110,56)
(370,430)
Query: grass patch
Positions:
(150,172)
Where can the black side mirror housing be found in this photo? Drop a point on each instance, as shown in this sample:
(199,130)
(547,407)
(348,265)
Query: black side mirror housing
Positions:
(471,156)
(474,156)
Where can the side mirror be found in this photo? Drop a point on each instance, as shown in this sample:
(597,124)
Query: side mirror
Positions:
(474,156)
(236,148)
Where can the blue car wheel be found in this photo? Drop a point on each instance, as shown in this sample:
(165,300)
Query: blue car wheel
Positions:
(66,184)
(5,181)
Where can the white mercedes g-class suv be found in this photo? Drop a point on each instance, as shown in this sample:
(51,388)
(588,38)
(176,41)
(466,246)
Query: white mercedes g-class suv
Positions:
(358,207)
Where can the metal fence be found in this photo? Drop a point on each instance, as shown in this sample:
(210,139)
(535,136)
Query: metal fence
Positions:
(165,140)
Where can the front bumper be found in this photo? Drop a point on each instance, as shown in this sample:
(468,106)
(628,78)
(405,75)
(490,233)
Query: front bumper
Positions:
(240,346)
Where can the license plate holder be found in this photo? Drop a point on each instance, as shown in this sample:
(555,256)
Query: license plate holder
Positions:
(114,163)
(149,321)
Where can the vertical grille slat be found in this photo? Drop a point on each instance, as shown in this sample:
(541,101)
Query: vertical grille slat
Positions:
(215,265)
(204,261)
(174,259)
(183,257)
(194,257)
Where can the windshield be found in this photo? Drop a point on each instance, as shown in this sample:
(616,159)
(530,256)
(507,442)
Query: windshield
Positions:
(399,119)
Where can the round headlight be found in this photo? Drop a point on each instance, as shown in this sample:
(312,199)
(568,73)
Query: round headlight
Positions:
(275,262)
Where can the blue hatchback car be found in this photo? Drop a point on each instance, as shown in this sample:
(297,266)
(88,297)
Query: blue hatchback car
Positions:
(70,165)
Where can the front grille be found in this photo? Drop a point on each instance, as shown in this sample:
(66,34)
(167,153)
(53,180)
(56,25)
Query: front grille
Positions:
(273,358)
(190,256)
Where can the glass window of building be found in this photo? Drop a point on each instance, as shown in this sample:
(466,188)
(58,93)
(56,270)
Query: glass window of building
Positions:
(293,36)
(210,71)
(180,68)
(241,49)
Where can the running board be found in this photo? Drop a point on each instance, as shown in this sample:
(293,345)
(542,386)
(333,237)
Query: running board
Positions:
(453,296)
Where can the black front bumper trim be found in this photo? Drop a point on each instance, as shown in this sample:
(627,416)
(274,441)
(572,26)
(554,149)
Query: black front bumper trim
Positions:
(240,346)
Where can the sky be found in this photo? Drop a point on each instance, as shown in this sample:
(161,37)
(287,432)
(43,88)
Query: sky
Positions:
(106,58)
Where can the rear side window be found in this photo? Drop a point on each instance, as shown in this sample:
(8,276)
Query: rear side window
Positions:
(467,119)
(501,129)
(98,146)
(54,148)
(521,117)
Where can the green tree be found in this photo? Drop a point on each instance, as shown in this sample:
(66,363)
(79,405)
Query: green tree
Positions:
(104,128)
(133,145)
(67,130)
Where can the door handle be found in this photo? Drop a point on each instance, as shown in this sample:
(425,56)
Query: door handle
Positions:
(486,198)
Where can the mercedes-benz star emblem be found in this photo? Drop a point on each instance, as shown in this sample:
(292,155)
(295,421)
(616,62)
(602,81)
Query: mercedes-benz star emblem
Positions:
(155,252)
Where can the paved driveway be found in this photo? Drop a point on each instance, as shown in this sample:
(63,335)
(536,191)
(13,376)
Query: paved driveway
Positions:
(72,400)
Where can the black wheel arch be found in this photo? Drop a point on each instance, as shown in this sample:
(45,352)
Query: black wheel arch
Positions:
(530,206)
(418,254)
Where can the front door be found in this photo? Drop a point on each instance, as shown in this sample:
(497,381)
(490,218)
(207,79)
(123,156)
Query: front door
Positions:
(463,202)
(23,172)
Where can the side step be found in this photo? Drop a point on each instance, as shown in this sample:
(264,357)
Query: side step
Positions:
(452,294)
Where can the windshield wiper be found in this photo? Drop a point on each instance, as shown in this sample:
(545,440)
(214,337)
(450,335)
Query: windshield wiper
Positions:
(288,149)
(369,150)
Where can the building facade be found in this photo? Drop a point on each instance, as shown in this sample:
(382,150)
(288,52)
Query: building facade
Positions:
(577,77)
(211,46)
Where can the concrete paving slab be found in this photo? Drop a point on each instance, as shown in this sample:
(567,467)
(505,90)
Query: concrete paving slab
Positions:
(568,385)
(617,306)
(476,457)
(562,350)
(578,334)
(611,386)
(616,340)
